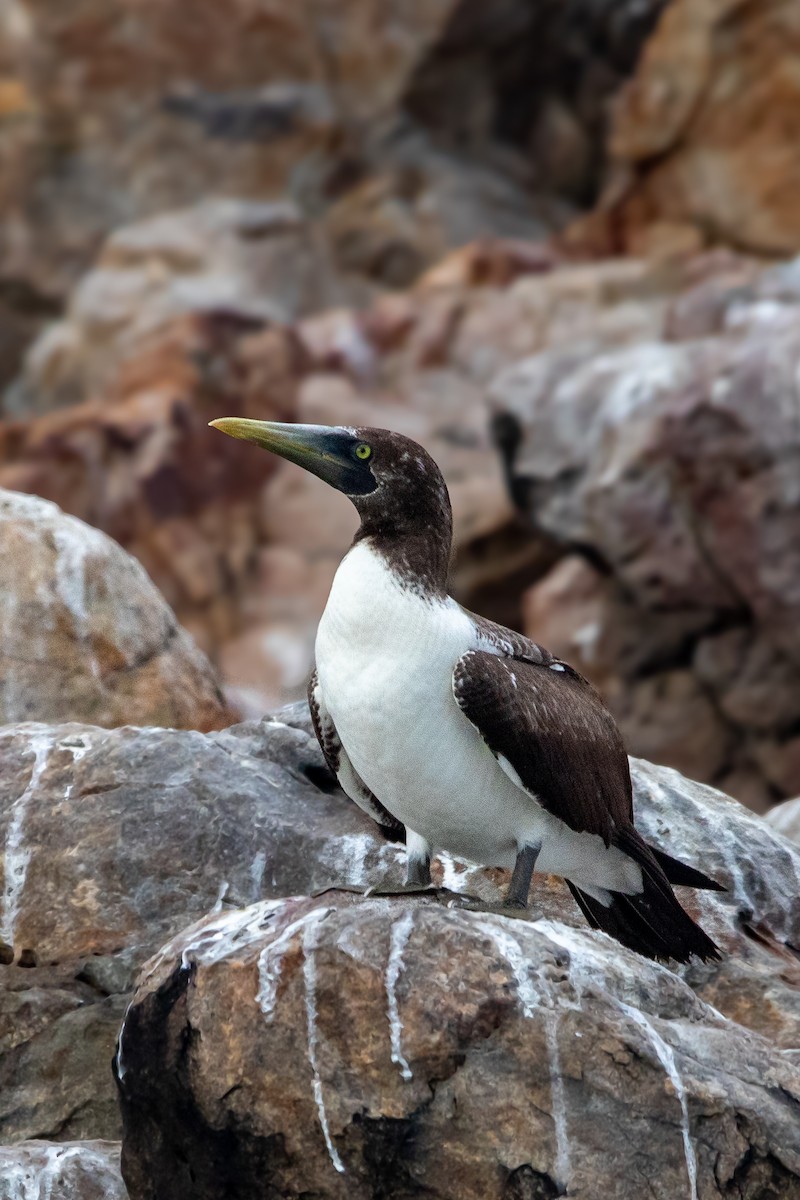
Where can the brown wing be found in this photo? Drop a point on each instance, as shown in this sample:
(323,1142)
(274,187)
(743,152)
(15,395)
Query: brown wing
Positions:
(339,763)
(556,734)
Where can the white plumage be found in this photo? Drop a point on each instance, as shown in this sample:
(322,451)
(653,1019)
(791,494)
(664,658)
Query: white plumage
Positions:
(385,658)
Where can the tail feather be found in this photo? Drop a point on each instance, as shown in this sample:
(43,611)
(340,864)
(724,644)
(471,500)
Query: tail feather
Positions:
(681,873)
(652,922)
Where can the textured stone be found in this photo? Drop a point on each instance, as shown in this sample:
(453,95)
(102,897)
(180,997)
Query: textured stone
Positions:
(671,464)
(113,840)
(84,634)
(703,134)
(72,1170)
(786,819)
(352,1047)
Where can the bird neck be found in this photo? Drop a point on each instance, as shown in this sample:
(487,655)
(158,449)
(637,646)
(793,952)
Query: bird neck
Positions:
(415,542)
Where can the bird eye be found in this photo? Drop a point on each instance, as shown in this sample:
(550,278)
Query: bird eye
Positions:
(363,451)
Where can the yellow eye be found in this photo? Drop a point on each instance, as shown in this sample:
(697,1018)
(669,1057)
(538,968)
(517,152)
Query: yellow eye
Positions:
(363,451)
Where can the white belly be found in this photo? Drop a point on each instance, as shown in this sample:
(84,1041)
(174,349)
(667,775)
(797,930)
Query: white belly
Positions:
(385,659)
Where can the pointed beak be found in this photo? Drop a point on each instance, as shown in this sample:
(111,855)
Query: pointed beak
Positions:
(325,450)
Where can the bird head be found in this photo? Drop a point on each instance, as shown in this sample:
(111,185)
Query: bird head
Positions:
(393,482)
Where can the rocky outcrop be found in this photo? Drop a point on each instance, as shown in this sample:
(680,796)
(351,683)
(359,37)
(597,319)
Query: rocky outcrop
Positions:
(84,633)
(71,1170)
(702,136)
(139,462)
(352,1047)
(664,470)
(401,138)
(261,261)
(112,841)
(786,819)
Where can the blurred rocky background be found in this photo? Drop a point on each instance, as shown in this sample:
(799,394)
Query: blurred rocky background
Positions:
(556,242)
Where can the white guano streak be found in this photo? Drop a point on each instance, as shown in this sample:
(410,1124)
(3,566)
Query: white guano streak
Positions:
(401,931)
(531,1000)
(666,1057)
(35,1181)
(559,1100)
(310,978)
(16,858)
(270,961)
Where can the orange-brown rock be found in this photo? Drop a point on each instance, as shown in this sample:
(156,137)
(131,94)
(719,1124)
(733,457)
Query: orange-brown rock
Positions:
(348,1047)
(84,634)
(703,136)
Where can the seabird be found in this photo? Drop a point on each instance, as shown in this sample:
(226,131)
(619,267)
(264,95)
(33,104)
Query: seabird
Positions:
(475,739)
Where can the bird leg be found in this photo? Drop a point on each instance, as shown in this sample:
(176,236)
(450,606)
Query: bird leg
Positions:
(520,886)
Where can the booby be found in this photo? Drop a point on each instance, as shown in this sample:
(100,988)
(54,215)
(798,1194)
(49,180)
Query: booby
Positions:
(475,739)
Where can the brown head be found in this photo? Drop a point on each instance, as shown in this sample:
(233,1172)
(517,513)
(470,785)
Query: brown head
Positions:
(394,484)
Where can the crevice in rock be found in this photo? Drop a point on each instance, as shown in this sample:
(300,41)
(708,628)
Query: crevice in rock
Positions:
(526,1183)
(533,78)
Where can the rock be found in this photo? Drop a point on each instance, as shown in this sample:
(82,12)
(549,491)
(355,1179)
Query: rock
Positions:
(85,634)
(259,260)
(112,841)
(453,120)
(702,134)
(786,819)
(79,1170)
(352,1047)
(664,462)
(139,462)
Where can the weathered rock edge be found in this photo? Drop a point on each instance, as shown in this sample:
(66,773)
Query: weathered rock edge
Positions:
(77,1170)
(394,1047)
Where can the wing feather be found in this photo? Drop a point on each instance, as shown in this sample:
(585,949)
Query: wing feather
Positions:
(554,733)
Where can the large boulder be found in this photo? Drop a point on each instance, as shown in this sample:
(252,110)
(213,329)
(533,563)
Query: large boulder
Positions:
(85,634)
(357,1047)
(69,1170)
(662,470)
(115,840)
(702,137)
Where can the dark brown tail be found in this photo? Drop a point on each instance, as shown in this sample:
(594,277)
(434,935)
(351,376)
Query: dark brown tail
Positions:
(651,922)
(680,873)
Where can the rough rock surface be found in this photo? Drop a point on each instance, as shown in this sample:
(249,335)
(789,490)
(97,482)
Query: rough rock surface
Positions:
(139,462)
(70,1171)
(113,840)
(350,1048)
(84,633)
(703,135)
(786,819)
(402,132)
(666,471)
(259,260)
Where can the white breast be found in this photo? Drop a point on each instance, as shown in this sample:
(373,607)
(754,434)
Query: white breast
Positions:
(385,658)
